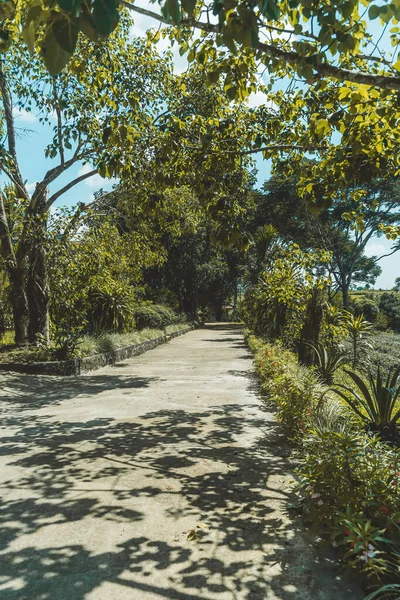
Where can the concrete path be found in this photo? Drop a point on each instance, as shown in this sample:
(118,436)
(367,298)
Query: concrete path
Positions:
(158,478)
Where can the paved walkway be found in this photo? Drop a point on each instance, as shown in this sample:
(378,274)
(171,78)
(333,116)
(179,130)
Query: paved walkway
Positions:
(159,478)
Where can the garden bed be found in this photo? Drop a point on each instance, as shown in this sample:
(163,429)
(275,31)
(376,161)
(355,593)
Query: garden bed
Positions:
(78,365)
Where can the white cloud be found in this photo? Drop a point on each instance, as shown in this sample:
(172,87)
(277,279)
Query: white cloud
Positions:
(95,181)
(30,187)
(374,249)
(23,115)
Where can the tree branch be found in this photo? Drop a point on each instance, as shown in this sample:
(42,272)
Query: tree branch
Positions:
(59,124)
(385,82)
(12,149)
(52,174)
(67,187)
(279,147)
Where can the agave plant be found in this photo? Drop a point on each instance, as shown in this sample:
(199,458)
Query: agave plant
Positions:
(378,401)
(328,361)
(392,588)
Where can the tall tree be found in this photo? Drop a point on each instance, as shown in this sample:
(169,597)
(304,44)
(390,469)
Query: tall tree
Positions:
(333,229)
(309,39)
(103,115)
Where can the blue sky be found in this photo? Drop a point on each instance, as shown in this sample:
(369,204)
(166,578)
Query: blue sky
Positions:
(32,139)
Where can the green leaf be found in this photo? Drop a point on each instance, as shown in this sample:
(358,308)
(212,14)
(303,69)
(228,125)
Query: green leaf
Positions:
(66,31)
(189,5)
(171,11)
(374,11)
(54,56)
(106,134)
(28,36)
(88,27)
(105,15)
(69,5)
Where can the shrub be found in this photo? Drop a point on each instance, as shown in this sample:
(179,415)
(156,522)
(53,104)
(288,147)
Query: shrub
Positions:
(293,388)
(368,308)
(382,322)
(111,308)
(156,316)
(390,305)
(350,488)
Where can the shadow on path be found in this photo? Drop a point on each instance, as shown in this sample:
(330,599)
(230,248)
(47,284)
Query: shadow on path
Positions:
(106,475)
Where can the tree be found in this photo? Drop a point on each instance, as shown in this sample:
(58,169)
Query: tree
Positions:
(104,115)
(396,286)
(312,40)
(331,228)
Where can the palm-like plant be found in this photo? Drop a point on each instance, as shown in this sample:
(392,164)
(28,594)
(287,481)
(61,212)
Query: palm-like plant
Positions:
(378,401)
(328,361)
(357,328)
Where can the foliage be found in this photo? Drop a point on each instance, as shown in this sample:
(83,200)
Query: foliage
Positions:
(367,307)
(333,327)
(349,481)
(277,304)
(377,403)
(293,388)
(385,351)
(281,205)
(111,308)
(358,329)
(65,345)
(389,304)
(390,588)
(156,316)
(92,273)
(328,360)
(350,489)
(240,30)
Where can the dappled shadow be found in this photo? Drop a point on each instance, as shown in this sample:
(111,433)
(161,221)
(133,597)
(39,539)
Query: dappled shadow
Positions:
(110,504)
(237,503)
(34,391)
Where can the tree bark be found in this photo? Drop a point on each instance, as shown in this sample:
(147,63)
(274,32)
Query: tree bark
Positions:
(38,291)
(346,297)
(17,274)
(311,328)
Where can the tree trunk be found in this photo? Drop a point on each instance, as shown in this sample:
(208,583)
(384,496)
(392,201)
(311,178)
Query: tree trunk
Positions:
(38,291)
(17,273)
(346,297)
(311,328)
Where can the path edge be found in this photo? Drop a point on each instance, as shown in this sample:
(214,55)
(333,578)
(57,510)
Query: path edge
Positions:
(78,366)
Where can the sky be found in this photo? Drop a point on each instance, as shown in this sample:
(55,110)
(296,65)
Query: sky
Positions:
(33,137)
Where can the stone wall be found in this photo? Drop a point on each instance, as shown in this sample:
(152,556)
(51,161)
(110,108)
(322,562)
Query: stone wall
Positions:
(76,366)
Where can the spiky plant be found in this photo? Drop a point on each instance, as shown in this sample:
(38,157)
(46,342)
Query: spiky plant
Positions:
(378,400)
(328,361)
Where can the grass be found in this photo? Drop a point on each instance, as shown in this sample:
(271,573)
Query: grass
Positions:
(88,345)
(7,338)
(383,349)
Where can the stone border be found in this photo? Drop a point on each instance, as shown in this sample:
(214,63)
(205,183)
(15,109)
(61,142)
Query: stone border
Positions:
(76,366)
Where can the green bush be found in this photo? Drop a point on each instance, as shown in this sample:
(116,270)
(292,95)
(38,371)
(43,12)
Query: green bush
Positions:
(349,481)
(390,305)
(368,308)
(111,307)
(382,322)
(293,388)
(156,316)
(350,486)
